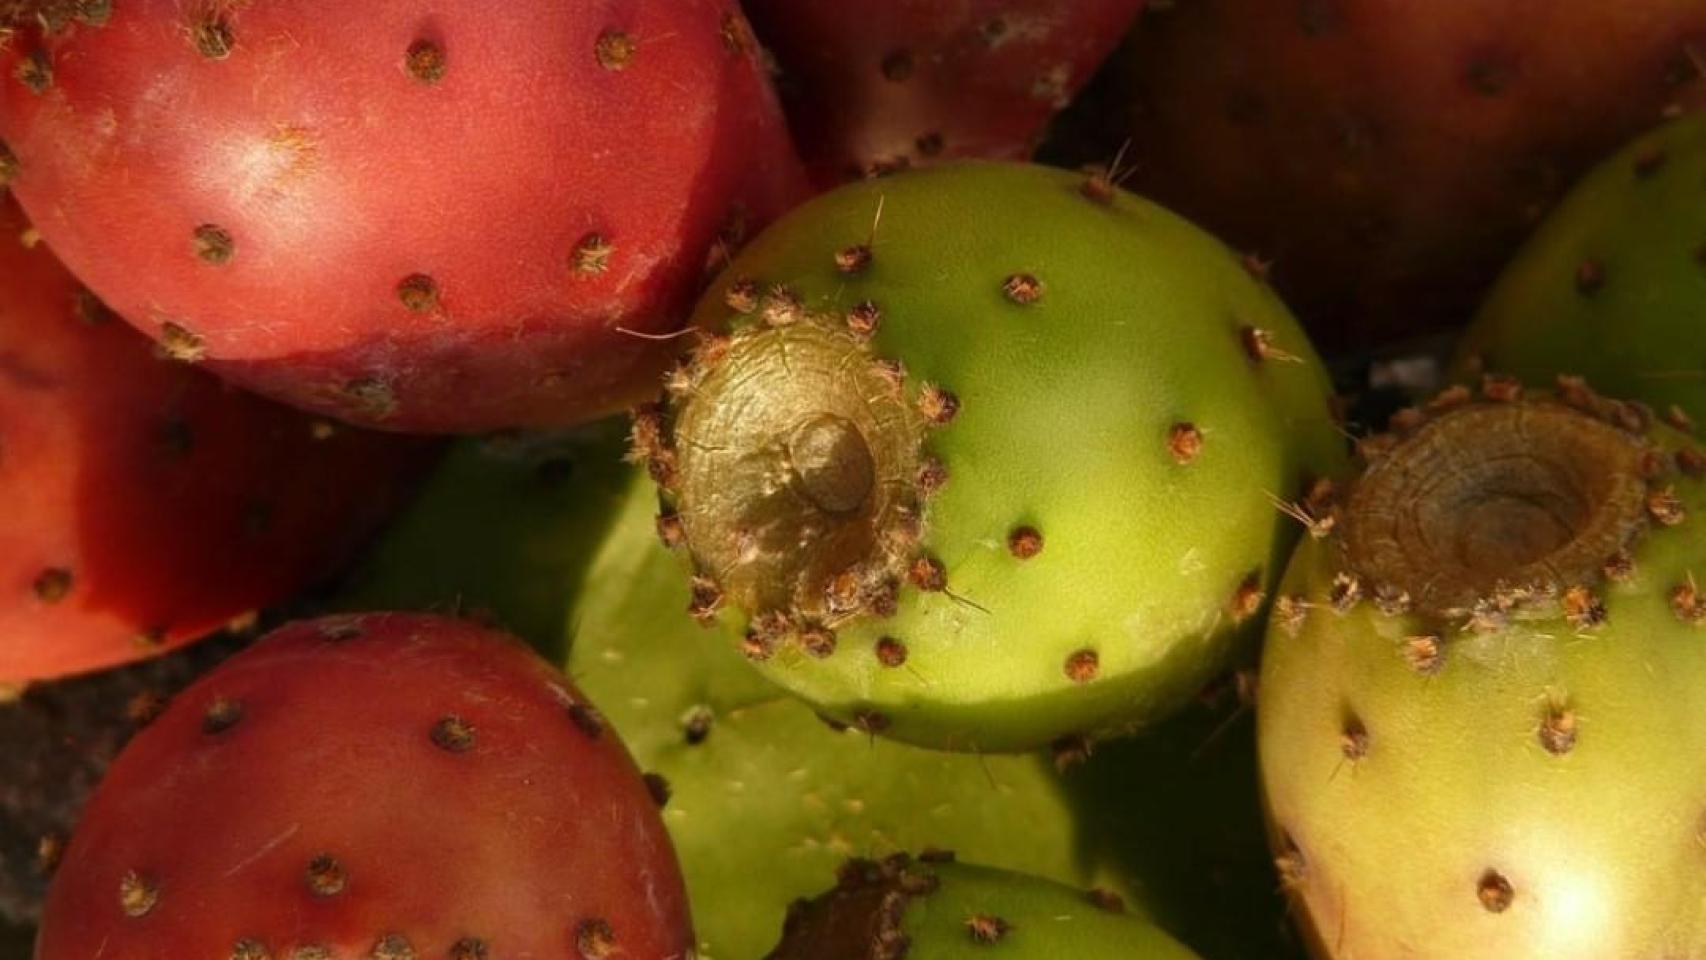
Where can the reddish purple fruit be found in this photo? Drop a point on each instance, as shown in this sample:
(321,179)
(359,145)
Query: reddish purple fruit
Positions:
(386,786)
(411,214)
(143,504)
(877,86)
(1388,157)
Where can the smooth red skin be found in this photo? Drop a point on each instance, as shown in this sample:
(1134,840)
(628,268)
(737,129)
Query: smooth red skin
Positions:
(516,841)
(339,174)
(1360,159)
(982,98)
(155,540)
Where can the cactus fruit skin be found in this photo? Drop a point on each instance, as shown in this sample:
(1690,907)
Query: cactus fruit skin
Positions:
(384,785)
(1612,286)
(966,478)
(558,541)
(147,505)
(1480,709)
(408,215)
(875,87)
(935,907)
(1388,158)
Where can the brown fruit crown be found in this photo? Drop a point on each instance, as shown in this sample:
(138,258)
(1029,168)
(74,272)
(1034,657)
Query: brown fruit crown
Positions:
(791,457)
(1479,505)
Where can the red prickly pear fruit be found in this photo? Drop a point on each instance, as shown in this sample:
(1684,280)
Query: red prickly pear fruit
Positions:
(877,86)
(383,785)
(400,213)
(1388,158)
(146,504)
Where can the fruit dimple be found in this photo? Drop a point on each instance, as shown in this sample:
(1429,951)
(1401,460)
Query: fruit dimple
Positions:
(393,946)
(452,734)
(137,894)
(52,585)
(213,37)
(221,715)
(1495,892)
(425,61)
(214,244)
(418,292)
(614,50)
(8,164)
(594,939)
(325,876)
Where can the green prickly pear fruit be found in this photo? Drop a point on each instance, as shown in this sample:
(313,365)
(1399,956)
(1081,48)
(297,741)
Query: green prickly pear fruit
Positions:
(1612,287)
(1482,708)
(558,541)
(936,908)
(985,456)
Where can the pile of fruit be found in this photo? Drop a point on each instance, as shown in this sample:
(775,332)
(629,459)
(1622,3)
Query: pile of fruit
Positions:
(809,480)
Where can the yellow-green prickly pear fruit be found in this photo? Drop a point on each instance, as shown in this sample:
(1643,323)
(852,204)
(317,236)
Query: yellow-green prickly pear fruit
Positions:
(1482,708)
(987,455)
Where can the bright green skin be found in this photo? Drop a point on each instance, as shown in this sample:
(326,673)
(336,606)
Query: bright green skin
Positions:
(772,800)
(1045,920)
(1066,405)
(1601,845)
(1642,334)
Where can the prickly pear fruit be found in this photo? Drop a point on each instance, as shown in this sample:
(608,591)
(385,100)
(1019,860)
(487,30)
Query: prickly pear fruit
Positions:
(1481,698)
(385,785)
(146,504)
(559,540)
(938,908)
(1613,285)
(876,87)
(984,492)
(1387,158)
(409,215)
